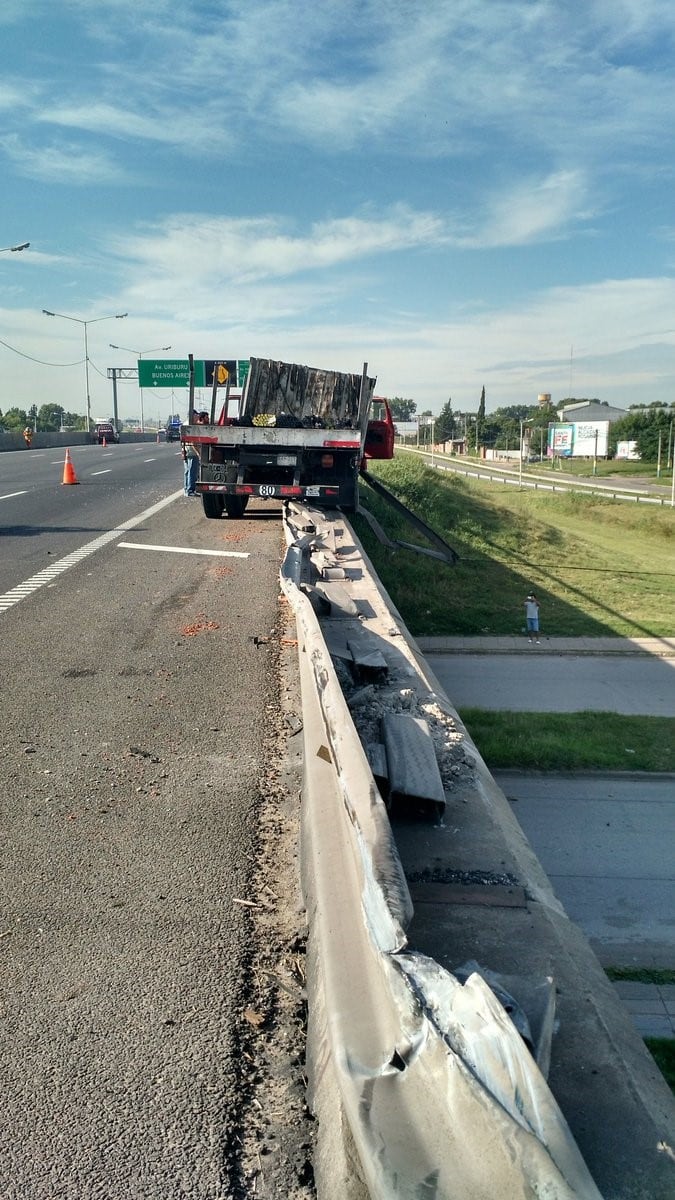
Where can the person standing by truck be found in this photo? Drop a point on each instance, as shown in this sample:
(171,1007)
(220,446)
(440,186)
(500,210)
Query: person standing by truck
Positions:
(190,454)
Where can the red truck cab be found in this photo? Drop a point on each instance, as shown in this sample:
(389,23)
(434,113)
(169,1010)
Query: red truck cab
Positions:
(380,431)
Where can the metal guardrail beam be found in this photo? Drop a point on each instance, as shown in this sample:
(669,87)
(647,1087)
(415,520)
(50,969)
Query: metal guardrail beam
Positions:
(493,475)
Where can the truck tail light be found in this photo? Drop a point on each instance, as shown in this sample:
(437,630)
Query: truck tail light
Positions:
(327,460)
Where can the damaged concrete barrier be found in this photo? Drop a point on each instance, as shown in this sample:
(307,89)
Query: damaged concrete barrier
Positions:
(421,1083)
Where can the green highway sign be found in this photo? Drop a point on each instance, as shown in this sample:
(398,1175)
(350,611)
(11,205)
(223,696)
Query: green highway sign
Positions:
(166,372)
(175,372)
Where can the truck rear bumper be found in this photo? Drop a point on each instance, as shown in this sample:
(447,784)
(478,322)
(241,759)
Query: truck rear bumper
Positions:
(275,491)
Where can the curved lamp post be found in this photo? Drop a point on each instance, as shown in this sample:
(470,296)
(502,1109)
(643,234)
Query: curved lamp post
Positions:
(139,354)
(81,321)
(13,249)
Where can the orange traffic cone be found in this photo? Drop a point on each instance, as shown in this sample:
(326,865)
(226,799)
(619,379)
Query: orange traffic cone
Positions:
(104,443)
(69,475)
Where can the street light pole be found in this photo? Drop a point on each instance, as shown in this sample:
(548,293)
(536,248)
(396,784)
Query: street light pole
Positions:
(523,422)
(139,354)
(81,321)
(14,249)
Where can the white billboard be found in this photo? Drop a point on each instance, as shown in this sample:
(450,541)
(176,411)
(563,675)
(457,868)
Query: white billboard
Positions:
(590,438)
(583,439)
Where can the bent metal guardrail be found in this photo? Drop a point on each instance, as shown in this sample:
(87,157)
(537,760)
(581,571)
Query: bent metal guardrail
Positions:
(421,1084)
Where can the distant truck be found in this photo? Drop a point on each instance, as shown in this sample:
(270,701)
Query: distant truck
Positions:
(104,431)
(300,433)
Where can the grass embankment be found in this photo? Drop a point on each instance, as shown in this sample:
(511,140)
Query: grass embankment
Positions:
(600,567)
(583,741)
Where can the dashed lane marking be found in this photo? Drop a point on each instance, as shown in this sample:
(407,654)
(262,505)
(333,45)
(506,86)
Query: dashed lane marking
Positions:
(182,550)
(106,471)
(50,573)
(9,495)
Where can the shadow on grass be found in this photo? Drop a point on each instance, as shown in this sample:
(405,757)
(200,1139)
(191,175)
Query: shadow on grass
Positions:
(503,555)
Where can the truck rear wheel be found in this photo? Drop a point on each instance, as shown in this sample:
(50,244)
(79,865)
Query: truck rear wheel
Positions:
(235,506)
(213,506)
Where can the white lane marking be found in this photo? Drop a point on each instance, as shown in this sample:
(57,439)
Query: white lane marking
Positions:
(182,550)
(71,560)
(10,494)
(104,472)
(148,460)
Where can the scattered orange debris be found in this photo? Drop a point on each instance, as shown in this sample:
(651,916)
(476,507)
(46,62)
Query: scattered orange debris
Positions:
(199,627)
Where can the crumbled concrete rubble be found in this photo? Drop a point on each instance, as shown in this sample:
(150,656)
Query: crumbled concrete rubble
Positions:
(369,703)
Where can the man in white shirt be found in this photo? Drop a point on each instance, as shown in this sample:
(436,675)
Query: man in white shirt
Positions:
(532,617)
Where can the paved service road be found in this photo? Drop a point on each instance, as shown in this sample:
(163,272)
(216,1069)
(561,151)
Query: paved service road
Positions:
(606,843)
(540,682)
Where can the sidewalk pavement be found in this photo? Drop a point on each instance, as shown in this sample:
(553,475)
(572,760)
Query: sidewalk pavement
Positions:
(661,647)
(651,1005)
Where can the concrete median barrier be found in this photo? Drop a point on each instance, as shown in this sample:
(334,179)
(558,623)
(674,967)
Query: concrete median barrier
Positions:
(422,1084)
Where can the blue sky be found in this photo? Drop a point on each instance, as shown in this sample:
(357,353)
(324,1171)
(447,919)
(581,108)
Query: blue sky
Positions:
(462,193)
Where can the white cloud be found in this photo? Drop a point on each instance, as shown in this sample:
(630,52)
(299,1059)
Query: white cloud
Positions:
(247,250)
(386,78)
(64,163)
(609,337)
(193,130)
(533,210)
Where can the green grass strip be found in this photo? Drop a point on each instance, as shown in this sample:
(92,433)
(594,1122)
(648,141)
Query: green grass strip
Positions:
(657,975)
(580,741)
(662,1051)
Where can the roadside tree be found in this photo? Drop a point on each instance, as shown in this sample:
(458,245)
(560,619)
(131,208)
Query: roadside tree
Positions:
(15,419)
(646,426)
(446,423)
(49,418)
(402,410)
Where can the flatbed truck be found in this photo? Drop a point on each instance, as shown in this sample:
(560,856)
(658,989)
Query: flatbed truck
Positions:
(300,433)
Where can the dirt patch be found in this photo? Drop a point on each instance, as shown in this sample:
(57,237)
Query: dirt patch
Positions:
(270,1153)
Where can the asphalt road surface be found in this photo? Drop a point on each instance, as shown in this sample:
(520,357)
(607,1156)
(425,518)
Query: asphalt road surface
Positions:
(606,843)
(134,693)
(540,682)
(42,519)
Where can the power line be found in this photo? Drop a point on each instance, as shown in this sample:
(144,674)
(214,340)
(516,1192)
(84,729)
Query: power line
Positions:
(39,360)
